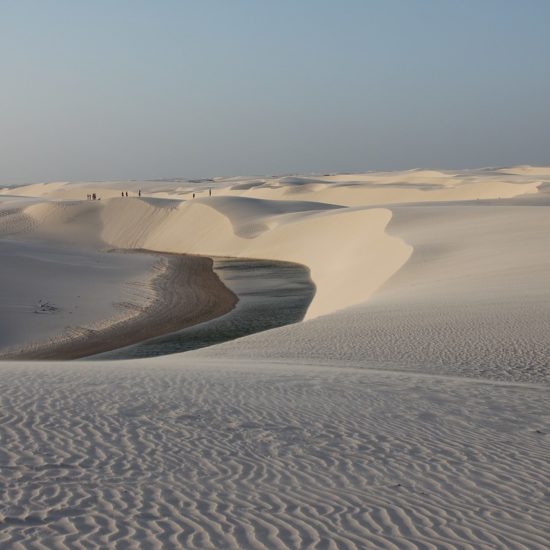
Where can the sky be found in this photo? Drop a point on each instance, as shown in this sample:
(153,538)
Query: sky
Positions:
(135,89)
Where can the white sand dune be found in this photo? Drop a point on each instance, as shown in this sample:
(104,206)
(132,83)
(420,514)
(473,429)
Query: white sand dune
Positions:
(474,299)
(410,409)
(231,226)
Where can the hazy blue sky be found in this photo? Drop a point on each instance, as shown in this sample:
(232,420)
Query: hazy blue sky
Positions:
(105,89)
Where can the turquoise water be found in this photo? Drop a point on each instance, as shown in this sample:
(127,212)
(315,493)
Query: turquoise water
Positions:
(271,294)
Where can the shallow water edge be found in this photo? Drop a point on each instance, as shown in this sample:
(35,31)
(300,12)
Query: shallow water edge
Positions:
(271,294)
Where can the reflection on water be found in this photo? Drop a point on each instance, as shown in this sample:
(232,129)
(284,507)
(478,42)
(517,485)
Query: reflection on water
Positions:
(271,294)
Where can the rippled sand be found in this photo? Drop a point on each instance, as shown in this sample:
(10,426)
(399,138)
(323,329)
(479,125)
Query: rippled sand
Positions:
(222,455)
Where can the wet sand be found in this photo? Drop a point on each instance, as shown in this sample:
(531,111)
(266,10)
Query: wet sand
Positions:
(187,292)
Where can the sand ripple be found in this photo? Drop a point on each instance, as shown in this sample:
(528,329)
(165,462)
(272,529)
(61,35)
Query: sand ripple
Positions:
(288,457)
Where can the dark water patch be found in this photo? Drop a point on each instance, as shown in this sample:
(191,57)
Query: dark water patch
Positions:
(271,294)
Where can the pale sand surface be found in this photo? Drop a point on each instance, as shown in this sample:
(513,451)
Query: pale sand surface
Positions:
(47,290)
(185,291)
(409,411)
(474,299)
(178,453)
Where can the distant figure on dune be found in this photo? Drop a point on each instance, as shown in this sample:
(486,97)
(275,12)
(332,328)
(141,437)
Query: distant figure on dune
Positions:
(210,192)
(93,196)
(122,194)
(193,195)
(126,193)
(139,193)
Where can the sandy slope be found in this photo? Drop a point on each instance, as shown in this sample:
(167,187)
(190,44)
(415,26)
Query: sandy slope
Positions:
(217,455)
(316,435)
(50,289)
(473,299)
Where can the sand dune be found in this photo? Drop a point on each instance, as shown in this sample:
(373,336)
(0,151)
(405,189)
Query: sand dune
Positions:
(473,299)
(251,217)
(408,411)
(299,232)
(301,237)
(347,189)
